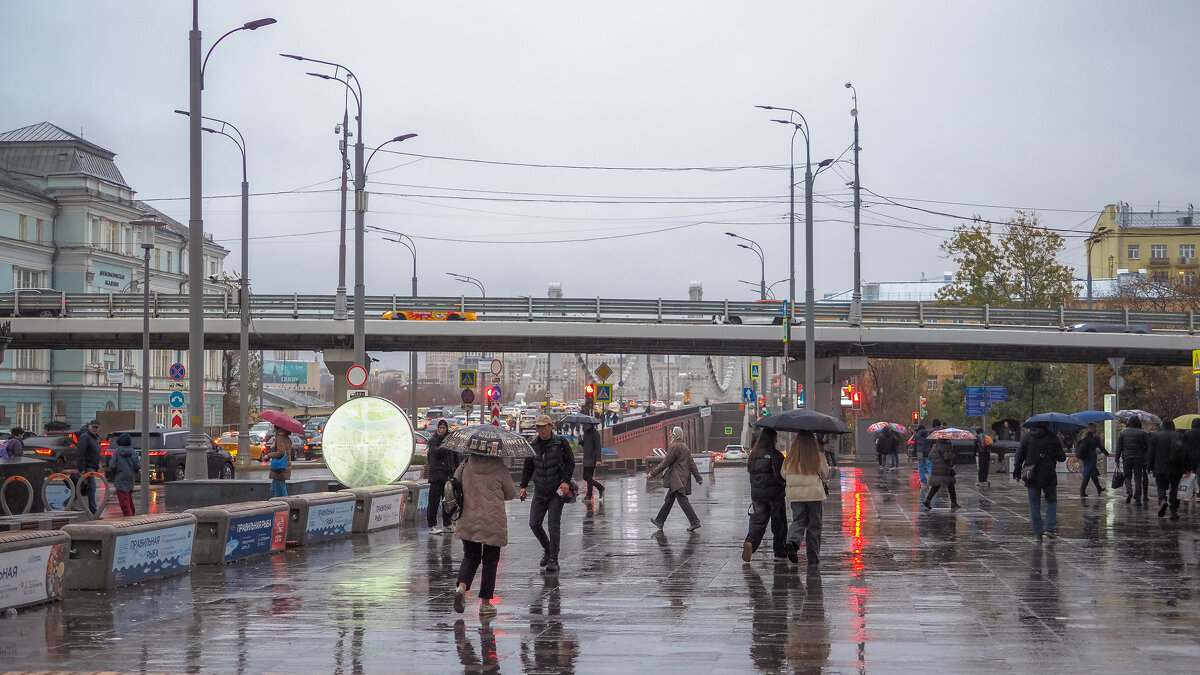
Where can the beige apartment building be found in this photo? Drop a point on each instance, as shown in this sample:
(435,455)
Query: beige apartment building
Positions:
(1160,244)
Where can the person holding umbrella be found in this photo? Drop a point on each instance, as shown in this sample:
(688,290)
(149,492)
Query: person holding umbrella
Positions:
(767,493)
(942,472)
(1085,450)
(281,462)
(804,470)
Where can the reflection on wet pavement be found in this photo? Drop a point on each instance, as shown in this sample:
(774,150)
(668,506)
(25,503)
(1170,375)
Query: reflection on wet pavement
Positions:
(899,590)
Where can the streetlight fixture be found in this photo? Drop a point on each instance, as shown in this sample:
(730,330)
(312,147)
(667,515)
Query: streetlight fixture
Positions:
(762,286)
(411,245)
(243,456)
(198,442)
(146,229)
(469,280)
(856,294)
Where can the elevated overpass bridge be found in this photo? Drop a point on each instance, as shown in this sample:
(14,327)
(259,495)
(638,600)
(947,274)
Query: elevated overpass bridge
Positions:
(565,325)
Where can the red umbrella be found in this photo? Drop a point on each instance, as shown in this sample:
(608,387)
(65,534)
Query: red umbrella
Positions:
(282,421)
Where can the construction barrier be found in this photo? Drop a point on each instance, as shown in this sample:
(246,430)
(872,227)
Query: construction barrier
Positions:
(233,531)
(109,553)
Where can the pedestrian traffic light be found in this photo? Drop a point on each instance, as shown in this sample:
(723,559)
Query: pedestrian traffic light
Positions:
(493,393)
(775,381)
(856,400)
(589,389)
(589,398)
(916,416)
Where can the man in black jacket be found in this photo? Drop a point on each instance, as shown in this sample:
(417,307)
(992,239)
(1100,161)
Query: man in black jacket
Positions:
(551,468)
(442,463)
(1158,462)
(1041,451)
(1133,444)
(87,441)
(591,456)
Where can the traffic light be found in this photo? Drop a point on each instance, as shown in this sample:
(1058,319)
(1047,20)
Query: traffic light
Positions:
(856,400)
(589,398)
(916,417)
(923,402)
(776,381)
(800,395)
(492,393)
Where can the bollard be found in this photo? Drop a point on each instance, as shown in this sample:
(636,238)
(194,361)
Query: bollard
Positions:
(378,507)
(229,532)
(32,565)
(28,494)
(109,553)
(318,516)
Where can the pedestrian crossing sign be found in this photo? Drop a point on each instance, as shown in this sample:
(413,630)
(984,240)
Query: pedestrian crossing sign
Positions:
(1196,361)
(604,393)
(754,370)
(466,379)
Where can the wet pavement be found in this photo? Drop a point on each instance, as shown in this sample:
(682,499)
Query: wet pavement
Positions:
(899,590)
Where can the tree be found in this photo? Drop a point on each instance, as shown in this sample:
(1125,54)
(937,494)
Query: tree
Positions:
(893,386)
(1062,389)
(1166,391)
(231,378)
(1018,268)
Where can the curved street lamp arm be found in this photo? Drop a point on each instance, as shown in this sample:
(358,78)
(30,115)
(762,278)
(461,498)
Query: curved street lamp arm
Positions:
(349,73)
(249,25)
(397,139)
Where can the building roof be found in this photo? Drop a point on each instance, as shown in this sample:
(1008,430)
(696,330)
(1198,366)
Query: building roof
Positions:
(288,398)
(44,149)
(9,181)
(1127,218)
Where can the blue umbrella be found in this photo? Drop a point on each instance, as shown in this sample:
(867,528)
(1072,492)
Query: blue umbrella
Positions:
(1057,422)
(1093,416)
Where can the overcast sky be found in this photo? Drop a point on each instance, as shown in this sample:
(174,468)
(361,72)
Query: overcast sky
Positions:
(965,108)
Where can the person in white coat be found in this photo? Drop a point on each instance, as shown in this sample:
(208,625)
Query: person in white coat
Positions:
(804,469)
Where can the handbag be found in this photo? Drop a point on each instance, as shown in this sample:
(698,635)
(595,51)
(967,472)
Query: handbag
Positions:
(1118,479)
(279,463)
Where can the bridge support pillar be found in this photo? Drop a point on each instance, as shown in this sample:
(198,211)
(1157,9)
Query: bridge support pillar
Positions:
(830,373)
(338,362)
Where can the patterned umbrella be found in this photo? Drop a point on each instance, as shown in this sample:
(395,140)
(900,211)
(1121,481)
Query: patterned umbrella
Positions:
(952,434)
(487,440)
(1140,414)
(880,426)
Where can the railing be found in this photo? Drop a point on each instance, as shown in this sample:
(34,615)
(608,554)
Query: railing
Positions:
(602,310)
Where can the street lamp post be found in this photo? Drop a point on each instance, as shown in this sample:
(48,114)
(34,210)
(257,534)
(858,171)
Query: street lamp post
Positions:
(1091,371)
(469,280)
(762,284)
(146,230)
(195,466)
(411,245)
(856,294)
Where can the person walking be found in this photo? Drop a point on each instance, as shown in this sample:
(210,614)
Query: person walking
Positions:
(941,473)
(88,449)
(442,463)
(482,527)
(804,471)
(677,468)
(591,456)
(983,456)
(281,463)
(924,445)
(1158,461)
(1133,444)
(15,446)
(125,466)
(1185,458)
(767,494)
(1085,450)
(550,468)
(887,446)
(1036,464)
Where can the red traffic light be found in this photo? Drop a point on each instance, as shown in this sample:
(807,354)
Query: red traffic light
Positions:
(589,389)
(916,416)
(491,393)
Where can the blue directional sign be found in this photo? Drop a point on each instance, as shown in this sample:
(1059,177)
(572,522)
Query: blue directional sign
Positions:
(177,399)
(747,394)
(975,411)
(996,394)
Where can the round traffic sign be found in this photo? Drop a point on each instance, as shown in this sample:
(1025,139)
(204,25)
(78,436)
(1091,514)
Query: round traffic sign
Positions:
(468,395)
(497,367)
(178,371)
(177,399)
(1116,382)
(356,376)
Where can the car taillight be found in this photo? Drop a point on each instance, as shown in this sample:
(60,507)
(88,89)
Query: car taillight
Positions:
(157,453)
(103,445)
(43,451)
(108,453)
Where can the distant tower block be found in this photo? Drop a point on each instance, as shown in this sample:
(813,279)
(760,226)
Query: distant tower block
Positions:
(695,291)
(555,291)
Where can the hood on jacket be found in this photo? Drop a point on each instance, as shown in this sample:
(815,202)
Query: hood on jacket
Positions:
(125,451)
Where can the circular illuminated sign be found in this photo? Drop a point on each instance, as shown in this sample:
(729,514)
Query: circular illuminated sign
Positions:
(356,376)
(367,441)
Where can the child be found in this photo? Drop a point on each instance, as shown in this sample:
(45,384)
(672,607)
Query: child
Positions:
(804,469)
(125,466)
(281,463)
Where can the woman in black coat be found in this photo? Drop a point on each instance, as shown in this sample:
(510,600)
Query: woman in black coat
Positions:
(767,486)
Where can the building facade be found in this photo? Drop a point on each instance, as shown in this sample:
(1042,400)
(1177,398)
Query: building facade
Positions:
(1160,245)
(65,224)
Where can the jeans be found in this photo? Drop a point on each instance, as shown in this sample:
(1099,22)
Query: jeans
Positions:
(684,504)
(546,504)
(588,473)
(893,461)
(806,523)
(764,512)
(1090,472)
(474,553)
(984,460)
(924,468)
(437,490)
(278,488)
(1137,481)
(1035,508)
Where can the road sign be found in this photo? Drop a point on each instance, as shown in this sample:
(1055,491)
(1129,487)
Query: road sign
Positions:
(355,393)
(178,372)
(975,411)
(176,418)
(747,394)
(603,372)
(116,376)
(496,413)
(728,431)
(1116,382)
(177,399)
(754,368)
(356,376)
(997,394)
(496,392)
(467,378)
(497,367)
(1196,361)
(468,395)
(604,393)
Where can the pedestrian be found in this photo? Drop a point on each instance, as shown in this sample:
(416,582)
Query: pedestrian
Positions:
(1185,458)
(551,468)
(983,456)
(15,446)
(1133,444)
(941,473)
(1085,450)
(1158,460)
(591,456)
(767,496)
(124,465)
(1006,432)
(885,444)
(483,526)
(677,469)
(442,462)
(804,470)
(924,445)
(893,460)
(88,451)
(281,463)
(1037,465)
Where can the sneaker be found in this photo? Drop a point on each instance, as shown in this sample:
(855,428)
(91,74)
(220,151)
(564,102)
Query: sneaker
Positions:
(791,552)
(1128,498)
(601,499)
(928,506)
(781,558)
(694,526)
(448,528)
(552,566)
(954,505)
(486,608)
(1162,510)
(1037,538)
(436,530)
(1082,493)
(656,523)
(545,559)
(460,597)
(1050,534)
(747,551)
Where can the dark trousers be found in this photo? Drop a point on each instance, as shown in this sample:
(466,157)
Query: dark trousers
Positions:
(984,460)
(125,499)
(774,513)
(684,503)
(806,523)
(542,505)
(1137,481)
(1092,473)
(437,490)
(949,488)
(588,473)
(474,553)
(1168,489)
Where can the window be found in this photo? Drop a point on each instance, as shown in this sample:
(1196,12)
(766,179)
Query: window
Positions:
(1187,278)
(157,259)
(1132,252)
(29,415)
(22,227)
(170,256)
(931,383)
(1158,251)
(160,363)
(27,359)
(1159,277)
(1187,251)
(112,236)
(40,232)
(160,413)
(23,278)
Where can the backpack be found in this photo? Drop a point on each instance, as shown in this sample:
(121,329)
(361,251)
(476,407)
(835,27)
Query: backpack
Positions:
(453,498)
(1079,451)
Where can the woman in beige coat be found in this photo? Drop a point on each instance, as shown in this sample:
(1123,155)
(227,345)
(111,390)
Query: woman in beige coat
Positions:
(483,526)
(679,468)
(804,469)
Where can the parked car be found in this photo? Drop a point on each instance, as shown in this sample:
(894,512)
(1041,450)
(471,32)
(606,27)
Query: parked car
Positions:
(734,452)
(421,440)
(60,450)
(168,455)
(40,302)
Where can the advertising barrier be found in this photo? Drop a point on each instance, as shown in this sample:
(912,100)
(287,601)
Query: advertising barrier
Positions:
(32,565)
(149,554)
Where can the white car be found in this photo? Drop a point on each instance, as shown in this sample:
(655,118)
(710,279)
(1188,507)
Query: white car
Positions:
(734,452)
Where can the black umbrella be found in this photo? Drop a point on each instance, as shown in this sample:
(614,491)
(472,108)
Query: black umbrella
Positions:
(579,418)
(488,440)
(1012,423)
(803,420)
